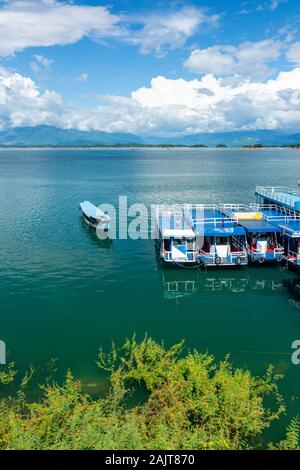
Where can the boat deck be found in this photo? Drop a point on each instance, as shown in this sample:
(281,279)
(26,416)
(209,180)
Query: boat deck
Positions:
(285,197)
(172,222)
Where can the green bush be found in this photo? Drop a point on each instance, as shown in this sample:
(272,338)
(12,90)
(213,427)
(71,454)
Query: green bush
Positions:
(191,402)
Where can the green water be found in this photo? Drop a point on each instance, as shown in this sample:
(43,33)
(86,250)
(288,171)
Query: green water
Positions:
(63,292)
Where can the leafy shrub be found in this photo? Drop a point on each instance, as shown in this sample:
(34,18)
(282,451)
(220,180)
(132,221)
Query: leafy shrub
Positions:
(191,402)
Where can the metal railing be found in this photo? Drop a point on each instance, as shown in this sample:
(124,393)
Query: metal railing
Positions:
(167,255)
(293,256)
(229,259)
(273,193)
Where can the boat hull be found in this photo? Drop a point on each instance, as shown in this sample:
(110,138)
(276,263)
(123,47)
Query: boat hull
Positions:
(92,224)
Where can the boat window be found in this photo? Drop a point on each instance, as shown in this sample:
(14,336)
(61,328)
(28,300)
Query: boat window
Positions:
(167,244)
(262,236)
(178,241)
(221,240)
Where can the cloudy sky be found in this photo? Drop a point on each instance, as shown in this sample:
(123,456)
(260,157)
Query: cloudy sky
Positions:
(150,68)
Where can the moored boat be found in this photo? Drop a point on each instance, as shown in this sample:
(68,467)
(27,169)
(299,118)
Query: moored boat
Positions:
(264,238)
(94,217)
(176,240)
(223,241)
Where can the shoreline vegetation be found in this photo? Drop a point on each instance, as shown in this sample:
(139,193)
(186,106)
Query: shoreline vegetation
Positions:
(261,146)
(190,401)
(158,146)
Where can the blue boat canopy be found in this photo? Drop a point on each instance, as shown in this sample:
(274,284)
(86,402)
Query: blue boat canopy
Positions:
(219,231)
(259,226)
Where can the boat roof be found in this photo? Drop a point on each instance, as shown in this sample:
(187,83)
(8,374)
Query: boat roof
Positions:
(259,226)
(174,225)
(178,233)
(219,229)
(91,210)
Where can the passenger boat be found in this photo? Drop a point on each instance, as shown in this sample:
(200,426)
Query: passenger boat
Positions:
(288,203)
(290,228)
(264,239)
(223,241)
(94,217)
(176,240)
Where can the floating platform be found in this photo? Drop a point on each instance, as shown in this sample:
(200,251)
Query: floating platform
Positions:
(285,197)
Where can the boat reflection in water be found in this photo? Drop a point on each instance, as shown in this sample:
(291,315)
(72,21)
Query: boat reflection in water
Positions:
(104,244)
(177,284)
(293,286)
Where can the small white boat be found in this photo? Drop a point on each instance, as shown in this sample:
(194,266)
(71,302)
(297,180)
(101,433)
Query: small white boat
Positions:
(94,217)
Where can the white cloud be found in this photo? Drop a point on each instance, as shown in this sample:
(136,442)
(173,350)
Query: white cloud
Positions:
(248,58)
(276,3)
(21,102)
(43,61)
(159,32)
(83,77)
(168,107)
(40,64)
(270,5)
(30,23)
(36,23)
(206,105)
(293,53)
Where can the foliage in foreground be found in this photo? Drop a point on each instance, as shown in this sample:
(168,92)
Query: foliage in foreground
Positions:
(191,402)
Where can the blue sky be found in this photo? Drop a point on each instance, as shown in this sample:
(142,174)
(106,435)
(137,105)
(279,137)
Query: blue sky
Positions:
(165,69)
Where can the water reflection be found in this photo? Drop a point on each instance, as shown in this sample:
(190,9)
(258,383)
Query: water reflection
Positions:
(184,283)
(293,287)
(105,244)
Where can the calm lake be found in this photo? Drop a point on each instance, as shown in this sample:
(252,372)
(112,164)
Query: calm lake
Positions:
(64,293)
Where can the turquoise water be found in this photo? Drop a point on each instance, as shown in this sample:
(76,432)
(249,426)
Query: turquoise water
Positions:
(64,293)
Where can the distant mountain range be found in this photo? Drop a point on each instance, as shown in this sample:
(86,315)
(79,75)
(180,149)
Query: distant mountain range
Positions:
(47,135)
(52,136)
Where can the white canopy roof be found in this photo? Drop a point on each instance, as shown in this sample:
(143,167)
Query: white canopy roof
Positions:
(178,233)
(92,211)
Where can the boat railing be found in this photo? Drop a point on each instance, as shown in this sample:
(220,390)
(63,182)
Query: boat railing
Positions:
(290,230)
(273,193)
(214,221)
(201,208)
(275,189)
(234,207)
(168,254)
(283,213)
(239,244)
(214,207)
(277,250)
(230,258)
(293,256)
(169,210)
